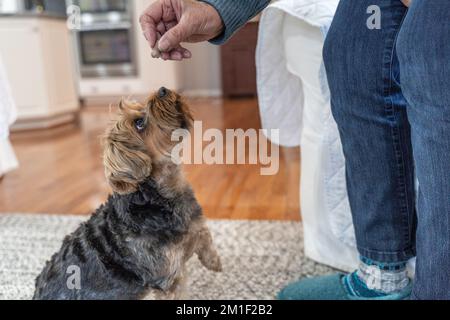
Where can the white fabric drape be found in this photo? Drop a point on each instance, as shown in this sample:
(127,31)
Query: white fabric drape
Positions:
(294,97)
(8,115)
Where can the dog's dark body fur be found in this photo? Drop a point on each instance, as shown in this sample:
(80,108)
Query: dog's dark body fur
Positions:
(121,248)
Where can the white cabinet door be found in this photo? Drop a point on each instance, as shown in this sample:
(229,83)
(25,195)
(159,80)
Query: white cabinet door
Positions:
(58,61)
(21,53)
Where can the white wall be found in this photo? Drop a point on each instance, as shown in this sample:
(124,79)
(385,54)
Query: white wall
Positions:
(201,75)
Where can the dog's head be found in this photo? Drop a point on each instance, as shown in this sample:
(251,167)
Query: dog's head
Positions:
(141,136)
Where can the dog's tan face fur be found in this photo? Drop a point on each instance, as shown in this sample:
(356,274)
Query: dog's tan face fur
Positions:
(141,138)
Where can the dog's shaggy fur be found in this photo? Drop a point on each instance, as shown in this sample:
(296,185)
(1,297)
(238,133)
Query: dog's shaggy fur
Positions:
(138,242)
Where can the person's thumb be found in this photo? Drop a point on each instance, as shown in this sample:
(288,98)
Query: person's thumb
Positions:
(174,36)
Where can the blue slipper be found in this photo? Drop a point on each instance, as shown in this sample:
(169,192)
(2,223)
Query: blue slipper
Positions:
(331,287)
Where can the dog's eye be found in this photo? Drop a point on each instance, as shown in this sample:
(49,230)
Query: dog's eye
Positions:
(139,124)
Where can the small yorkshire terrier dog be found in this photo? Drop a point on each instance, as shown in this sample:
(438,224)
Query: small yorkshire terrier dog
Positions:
(138,242)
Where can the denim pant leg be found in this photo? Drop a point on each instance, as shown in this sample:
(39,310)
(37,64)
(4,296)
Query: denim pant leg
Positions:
(370,110)
(424,54)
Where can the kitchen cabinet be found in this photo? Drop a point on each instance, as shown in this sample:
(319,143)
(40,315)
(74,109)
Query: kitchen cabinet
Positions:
(37,52)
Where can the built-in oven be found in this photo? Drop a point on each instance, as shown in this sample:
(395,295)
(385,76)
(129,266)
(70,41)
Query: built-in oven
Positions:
(105,41)
(107,51)
(103,6)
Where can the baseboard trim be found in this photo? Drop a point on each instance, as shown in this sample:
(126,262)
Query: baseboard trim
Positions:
(40,123)
(202,93)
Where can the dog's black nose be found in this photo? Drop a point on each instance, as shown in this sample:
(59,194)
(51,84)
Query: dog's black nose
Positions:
(162,92)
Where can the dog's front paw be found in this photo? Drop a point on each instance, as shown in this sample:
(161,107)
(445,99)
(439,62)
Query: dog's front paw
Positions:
(211,262)
(216,264)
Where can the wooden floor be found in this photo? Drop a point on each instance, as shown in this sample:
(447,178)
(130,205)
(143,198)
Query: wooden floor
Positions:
(61,170)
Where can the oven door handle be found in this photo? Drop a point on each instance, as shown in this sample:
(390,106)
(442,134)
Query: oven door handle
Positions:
(101,27)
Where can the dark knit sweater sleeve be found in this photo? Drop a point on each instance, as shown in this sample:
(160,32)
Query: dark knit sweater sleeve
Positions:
(234,14)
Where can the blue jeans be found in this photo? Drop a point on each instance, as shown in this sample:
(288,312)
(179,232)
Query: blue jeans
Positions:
(390,91)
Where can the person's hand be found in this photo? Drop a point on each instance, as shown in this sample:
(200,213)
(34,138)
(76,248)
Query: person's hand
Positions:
(407,2)
(168,23)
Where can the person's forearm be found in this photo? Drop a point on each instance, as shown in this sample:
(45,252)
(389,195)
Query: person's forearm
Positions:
(235,13)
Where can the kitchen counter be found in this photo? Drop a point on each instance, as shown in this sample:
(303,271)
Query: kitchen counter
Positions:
(45,15)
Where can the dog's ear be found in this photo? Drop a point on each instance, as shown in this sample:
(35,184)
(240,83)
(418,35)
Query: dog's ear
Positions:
(125,157)
(125,166)
(186,118)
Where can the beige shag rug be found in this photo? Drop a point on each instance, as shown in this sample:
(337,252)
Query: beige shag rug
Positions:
(259,257)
